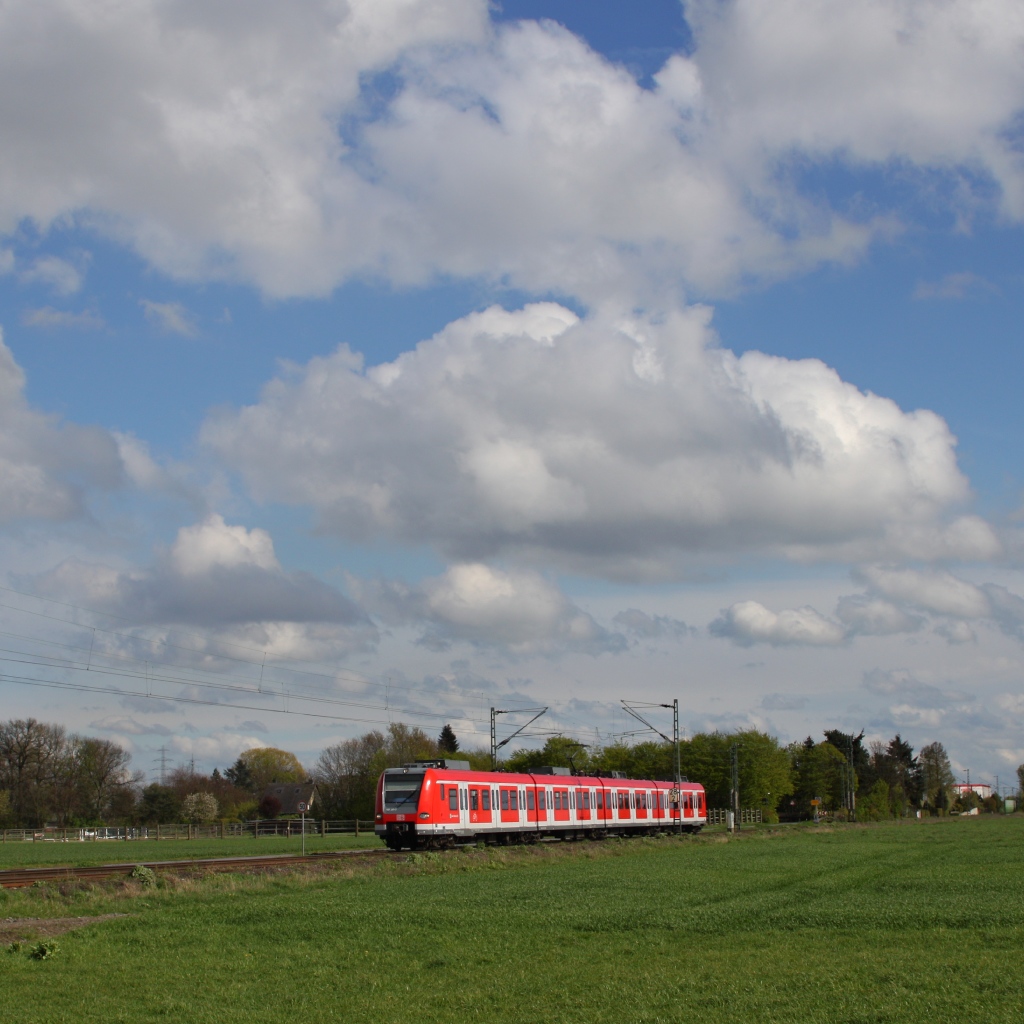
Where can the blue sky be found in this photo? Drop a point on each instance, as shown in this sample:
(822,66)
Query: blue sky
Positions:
(544,351)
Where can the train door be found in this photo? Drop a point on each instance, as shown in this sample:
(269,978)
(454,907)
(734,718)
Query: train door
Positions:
(583,805)
(476,814)
(542,804)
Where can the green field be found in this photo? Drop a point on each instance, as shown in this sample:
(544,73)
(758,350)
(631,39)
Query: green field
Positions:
(106,851)
(894,923)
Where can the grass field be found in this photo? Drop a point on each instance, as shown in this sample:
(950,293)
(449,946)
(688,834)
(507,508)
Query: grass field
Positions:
(920,922)
(106,851)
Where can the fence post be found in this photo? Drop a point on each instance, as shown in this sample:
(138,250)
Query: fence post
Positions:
(357,826)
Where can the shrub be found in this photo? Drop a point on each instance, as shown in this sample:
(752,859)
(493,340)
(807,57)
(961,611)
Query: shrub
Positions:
(44,950)
(270,806)
(147,876)
(197,807)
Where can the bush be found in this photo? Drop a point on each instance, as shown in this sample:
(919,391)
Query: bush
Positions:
(147,876)
(197,807)
(270,806)
(44,950)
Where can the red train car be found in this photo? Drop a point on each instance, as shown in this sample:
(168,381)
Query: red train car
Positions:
(433,804)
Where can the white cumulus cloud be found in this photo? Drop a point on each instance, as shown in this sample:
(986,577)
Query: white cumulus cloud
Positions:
(516,609)
(615,445)
(750,622)
(257,142)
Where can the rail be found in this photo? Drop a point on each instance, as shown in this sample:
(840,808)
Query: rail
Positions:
(222,830)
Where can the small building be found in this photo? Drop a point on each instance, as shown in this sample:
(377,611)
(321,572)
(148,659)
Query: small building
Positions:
(982,790)
(291,794)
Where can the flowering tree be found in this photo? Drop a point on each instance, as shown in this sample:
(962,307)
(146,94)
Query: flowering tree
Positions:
(197,807)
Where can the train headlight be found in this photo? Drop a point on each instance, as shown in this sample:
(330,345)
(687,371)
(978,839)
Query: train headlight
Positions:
(424,815)
(380,817)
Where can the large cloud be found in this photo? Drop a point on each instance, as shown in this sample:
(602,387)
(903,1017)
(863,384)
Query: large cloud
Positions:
(936,84)
(255,142)
(610,444)
(224,578)
(519,611)
(45,465)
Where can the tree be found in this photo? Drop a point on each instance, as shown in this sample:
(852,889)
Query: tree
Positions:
(558,751)
(818,770)
(1020,782)
(876,804)
(159,805)
(238,775)
(101,767)
(267,765)
(270,806)
(198,807)
(447,742)
(31,753)
(936,776)
(345,777)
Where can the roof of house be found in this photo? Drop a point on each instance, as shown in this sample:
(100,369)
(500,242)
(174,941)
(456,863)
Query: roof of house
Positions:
(291,794)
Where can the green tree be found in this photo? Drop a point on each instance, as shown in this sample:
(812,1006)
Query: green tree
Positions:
(159,805)
(818,770)
(267,765)
(936,777)
(558,751)
(447,742)
(875,806)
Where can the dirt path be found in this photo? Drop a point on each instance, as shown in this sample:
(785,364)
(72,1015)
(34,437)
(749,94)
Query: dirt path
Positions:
(18,929)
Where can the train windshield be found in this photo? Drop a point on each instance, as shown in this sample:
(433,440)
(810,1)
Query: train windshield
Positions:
(402,792)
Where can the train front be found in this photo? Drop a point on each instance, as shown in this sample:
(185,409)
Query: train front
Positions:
(398,798)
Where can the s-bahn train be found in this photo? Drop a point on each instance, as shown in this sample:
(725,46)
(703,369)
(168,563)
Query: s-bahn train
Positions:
(434,804)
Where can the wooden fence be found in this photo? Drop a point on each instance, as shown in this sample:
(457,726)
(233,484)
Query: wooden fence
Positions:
(223,830)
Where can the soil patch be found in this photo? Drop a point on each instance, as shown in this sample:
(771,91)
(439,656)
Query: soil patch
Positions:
(19,929)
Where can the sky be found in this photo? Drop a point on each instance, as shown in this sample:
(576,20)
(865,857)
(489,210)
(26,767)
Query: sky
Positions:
(392,360)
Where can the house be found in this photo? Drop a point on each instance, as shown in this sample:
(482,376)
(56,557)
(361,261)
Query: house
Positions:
(982,790)
(291,795)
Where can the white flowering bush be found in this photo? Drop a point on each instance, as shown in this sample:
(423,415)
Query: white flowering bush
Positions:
(198,807)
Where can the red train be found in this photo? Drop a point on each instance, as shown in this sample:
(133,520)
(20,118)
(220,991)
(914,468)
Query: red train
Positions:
(433,804)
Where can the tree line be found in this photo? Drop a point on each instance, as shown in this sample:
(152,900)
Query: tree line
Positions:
(50,776)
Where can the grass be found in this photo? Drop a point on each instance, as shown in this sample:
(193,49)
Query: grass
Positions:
(921,922)
(109,851)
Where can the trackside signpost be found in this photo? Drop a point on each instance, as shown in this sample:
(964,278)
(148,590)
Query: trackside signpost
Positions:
(303,807)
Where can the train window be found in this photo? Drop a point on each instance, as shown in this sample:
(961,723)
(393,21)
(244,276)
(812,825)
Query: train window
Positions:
(463,799)
(540,800)
(600,801)
(568,799)
(529,800)
(485,796)
(453,798)
(474,800)
(558,800)
(504,799)
(442,792)
(586,801)
(513,804)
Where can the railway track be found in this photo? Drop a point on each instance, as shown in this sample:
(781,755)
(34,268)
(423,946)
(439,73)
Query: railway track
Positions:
(21,877)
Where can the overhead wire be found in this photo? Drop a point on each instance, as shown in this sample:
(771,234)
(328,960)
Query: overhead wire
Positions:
(195,678)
